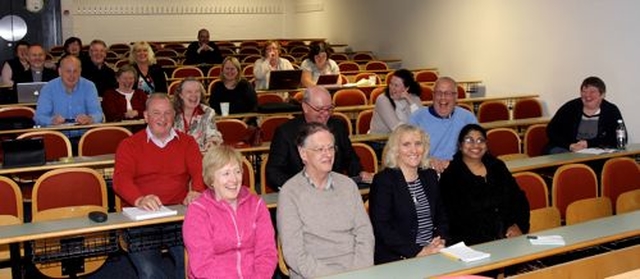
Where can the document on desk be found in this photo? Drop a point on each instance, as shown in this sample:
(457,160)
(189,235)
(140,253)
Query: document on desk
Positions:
(555,240)
(138,214)
(596,151)
(462,252)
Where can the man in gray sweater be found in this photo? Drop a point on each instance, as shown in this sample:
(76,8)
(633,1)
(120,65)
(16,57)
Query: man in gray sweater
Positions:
(322,222)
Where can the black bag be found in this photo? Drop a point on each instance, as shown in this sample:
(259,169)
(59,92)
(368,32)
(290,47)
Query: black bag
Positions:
(279,107)
(13,123)
(23,152)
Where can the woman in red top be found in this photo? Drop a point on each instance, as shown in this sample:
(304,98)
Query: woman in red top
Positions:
(124,102)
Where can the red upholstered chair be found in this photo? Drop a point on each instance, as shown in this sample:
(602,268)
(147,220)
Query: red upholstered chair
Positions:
(376,65)
(349,66)
(246,50)
(375,94)
(426,76)
(426,93)
(285,56)
(68,193)
(503,141)
(360,76)
(367,157)
(349,97)
(102,140)
(121,63)
(466,106)
(619,175)
(363,56)
(187,71)
(233,131)
(215,71)
(492,111)
(227,51)
(166,61)
(268,125)
(11,204)
(345,119)
(167,52)
(527,108)
(343,79)
(17,111)
(387,77)
(247,71)
(299,51)
(56,144)
(178,47)
(588,209)
(248,175)
(173,86)
(571,183)
(339,57)
(461,92)
(363,121)
(267,98)
(535,140)
(252,58)
(211,86)
(534,187)
(250,43)
(119,48)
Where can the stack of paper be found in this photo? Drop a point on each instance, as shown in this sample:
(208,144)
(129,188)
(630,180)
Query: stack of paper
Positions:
(138,214)
(546,240)
(462,252)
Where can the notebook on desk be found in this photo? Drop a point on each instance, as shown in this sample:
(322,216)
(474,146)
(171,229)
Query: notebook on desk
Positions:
(285,79)
(23,152)
(28,92)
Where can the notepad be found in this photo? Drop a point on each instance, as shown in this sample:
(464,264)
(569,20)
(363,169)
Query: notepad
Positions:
(138,214)
(596,151)
(461,251)
(546,240)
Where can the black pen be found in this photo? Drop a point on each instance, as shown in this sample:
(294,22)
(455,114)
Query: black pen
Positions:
(532,237)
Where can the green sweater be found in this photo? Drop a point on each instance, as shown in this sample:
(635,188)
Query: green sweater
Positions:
(323,231)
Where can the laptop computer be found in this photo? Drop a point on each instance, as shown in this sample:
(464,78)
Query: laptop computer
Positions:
(23,152)
(28,92)
(285,79)
(328,79)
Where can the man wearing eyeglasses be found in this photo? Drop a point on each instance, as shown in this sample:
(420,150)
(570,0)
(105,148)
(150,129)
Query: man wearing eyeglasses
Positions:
(443,121)
(284,160)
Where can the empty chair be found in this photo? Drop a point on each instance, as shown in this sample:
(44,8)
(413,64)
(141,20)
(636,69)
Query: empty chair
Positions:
(226,51)
(118,64)
(628,201)
(619,175)
(173,86)
(102,140)
(247,71)
(426,76)
(249,43)
(462,93)
(527,108)
(466,106)
(56,144)
(187,71)
(252,58)
(360,76)
(492,111)
(11,204)
(345,119)
(363,56)
(376,65)
(571,183)
(367,157)
(286,56)
(349,97)
(375,93)
(426,93)
(543,219)
(534,187)
(535,140)
(16,117)
(268,98)
(119,48)
(299,51)
(233,131)
(588,209)
(349,66)
(249,50)
(339,57)
(363,122)
(166,61)
(215,71)
(178,47)
(503,141)
(268,125)
(167,52)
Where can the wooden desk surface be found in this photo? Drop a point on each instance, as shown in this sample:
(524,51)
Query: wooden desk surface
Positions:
(554,160)
(18,105)
(513,123)
(76,162)
(126,123)
(507,252)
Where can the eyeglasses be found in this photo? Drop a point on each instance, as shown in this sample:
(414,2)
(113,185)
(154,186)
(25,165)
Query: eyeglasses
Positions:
(327,149)
(470,140)
(324,109)
(448,94)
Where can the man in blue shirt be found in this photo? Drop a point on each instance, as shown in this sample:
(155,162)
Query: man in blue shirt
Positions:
(443,121)
(68,98)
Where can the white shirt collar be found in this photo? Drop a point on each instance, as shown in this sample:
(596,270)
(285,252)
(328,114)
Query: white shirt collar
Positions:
(160,143)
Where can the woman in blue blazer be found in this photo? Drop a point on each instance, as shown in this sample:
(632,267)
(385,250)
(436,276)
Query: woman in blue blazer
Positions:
(404,203)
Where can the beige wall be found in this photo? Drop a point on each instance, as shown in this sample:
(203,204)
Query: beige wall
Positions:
(539,46)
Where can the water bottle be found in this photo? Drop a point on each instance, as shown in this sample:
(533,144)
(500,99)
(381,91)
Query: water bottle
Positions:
(621,135)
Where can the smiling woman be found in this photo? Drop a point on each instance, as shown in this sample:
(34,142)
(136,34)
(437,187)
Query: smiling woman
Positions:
(193,116)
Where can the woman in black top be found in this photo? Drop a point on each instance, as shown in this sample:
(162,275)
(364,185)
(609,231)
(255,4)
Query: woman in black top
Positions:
(482,199)
(406,212)
(151,77)
(16,66)
(233,89)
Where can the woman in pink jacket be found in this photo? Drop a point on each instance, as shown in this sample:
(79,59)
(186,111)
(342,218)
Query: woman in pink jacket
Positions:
(228,231)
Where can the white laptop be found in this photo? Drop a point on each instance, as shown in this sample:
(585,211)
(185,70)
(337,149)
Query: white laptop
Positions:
(28,92)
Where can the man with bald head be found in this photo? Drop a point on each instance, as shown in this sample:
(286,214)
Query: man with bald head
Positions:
(284,160)
(443,121)
(69,99)
(203,50)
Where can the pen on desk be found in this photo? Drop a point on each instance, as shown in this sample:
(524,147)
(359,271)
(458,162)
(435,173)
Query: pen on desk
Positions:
(532,237)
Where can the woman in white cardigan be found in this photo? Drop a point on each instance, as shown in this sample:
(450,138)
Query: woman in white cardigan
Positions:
(399,101)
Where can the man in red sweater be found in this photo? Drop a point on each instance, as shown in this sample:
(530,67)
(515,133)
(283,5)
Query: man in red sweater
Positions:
(154,167)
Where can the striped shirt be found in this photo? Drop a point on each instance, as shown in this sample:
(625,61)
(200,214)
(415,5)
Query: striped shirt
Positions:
(423,212)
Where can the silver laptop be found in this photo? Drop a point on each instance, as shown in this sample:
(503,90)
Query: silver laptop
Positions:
(28,92)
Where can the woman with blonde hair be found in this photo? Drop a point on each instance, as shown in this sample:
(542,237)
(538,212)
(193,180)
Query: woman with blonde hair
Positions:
(151,77)
(233,89)
(405,208)
(227,231)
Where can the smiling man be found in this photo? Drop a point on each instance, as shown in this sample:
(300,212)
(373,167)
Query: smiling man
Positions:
(154,167)
(95,69)
(443,121)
